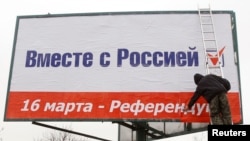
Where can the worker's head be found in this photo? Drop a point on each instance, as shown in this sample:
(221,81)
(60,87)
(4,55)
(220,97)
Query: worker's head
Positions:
(197,78)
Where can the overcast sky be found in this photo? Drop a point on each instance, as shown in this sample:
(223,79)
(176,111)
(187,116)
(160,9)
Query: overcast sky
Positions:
(10,9)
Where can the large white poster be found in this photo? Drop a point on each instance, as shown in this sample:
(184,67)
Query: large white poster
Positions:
(114,66)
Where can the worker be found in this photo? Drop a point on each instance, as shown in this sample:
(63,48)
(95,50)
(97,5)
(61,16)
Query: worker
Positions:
(214,90)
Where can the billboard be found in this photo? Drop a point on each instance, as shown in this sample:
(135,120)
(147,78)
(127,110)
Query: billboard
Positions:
(115,66)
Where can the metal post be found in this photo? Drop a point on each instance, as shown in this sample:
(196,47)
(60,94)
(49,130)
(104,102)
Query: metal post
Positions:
(140,132)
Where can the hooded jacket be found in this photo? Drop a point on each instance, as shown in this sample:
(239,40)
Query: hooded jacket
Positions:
(208,86)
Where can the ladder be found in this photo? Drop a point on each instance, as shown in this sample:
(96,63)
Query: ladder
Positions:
(213,63)
(213,55)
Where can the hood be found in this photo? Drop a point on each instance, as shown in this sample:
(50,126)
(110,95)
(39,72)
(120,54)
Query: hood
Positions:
(197,78)
(226,84)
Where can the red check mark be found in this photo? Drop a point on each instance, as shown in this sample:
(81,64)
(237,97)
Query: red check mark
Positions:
(215,58)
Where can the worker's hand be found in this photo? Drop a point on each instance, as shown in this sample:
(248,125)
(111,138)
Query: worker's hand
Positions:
(185,108)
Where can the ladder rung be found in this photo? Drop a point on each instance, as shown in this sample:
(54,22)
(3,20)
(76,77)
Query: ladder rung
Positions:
(220,75)
(219,63)
(211,48)
(209,39)
(208,31)
(214,67)
(212,57)
(207,23)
